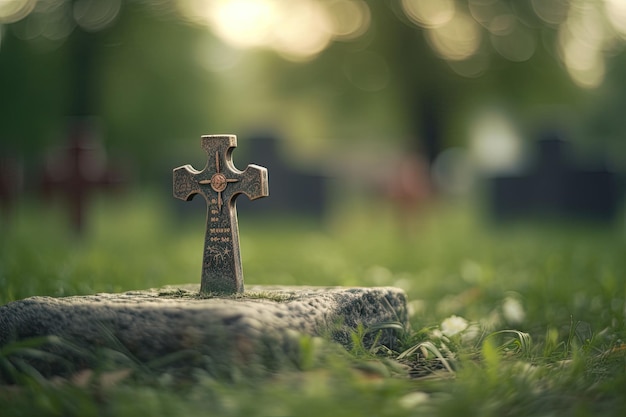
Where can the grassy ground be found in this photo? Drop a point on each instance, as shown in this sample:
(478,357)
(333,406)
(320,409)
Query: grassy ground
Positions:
(517,320)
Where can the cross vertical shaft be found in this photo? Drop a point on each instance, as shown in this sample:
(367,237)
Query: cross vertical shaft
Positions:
(220,183)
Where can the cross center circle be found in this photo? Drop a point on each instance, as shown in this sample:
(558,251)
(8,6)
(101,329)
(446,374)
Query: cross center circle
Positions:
(218,182)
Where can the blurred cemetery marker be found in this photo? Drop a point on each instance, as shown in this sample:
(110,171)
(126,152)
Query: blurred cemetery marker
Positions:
(294,191)
(76,170)
(220,183)
(555,186)
(11,182)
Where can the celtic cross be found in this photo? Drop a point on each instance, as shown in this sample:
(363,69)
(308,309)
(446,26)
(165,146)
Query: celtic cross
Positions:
(220,183)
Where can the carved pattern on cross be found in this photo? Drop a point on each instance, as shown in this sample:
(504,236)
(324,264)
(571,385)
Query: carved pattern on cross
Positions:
(218,181)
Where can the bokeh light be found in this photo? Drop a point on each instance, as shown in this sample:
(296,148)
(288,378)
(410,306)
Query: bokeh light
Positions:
(429,14)
(495,145)
(586,32)
(490,13)
(297,30)
(472,67)
(581,41)
(616,13)
(463,32)
(216,56)
(304,30)
(15,10)
(515,43)
(553,12)
(457,39)
(95,15)
(50,19)
(350,18)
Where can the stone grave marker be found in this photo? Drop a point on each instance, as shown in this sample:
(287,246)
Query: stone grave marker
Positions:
(11,182)
(555,186)
(295,190)
(200,326)
(220,183)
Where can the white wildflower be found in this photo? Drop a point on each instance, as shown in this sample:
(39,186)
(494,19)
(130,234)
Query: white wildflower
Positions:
(513,311)
(453,325)
(471,333)
(413,399)
(436,334)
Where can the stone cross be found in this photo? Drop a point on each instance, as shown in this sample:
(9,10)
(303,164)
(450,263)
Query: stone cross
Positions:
(220,183)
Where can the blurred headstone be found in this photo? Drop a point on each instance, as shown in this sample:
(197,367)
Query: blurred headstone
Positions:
(11,181)
(78,169)
(555,186)
(294,191)
(408,188)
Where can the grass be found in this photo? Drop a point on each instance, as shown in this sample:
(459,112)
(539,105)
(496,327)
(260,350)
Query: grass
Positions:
(518,319)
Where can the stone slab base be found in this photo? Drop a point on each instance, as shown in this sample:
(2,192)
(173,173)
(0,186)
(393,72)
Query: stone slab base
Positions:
(177,326)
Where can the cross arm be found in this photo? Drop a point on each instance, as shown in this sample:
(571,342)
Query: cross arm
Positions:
(185,185)
(254,182)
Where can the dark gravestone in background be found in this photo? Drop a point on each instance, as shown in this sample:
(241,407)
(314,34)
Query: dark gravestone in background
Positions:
(292,191)
(555,186)
(11,182)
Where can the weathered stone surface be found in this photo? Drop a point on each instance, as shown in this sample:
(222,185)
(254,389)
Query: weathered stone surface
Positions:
(149,325)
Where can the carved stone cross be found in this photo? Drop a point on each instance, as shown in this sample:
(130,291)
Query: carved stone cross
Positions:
(220,183)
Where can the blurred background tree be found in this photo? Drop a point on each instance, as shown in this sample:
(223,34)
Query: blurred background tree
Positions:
(407,74)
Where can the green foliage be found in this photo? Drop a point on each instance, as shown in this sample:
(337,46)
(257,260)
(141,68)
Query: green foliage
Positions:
(511,320)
